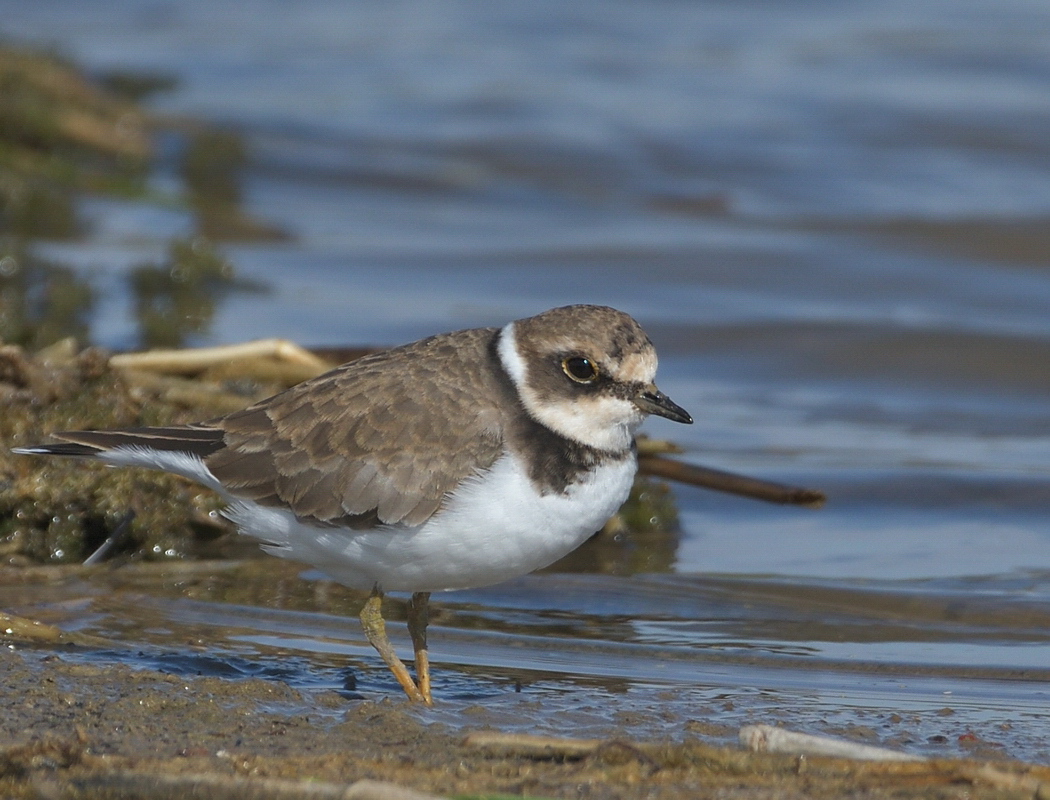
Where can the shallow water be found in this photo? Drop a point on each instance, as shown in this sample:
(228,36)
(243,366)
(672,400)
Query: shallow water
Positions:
(939,667)
(828,217)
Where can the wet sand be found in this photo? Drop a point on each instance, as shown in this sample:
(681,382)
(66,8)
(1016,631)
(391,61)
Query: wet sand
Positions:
(107,696)
(82,730)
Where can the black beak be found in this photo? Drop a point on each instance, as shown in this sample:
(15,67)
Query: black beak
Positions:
(652,401)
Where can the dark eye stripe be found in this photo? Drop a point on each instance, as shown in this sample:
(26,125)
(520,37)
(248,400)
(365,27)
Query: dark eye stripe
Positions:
(580,369)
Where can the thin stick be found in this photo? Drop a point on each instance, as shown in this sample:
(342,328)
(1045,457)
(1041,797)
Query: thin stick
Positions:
(112,540)
(198,359)
(148,786)
(766,738)
(531,745)
(730,482)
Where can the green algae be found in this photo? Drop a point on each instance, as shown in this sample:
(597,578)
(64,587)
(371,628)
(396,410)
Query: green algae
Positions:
(41,302)
(63,135)
(137,85)
(178,298)
(650,508)
(212,166)
(59,134)
(60,510)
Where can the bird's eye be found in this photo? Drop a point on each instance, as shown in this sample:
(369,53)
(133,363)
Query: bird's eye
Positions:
(580,369)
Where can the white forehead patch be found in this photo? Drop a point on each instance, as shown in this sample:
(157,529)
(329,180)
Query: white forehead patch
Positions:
(640,367)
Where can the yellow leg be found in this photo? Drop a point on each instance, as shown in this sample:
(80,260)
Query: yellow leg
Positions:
(375,630)
(418,616)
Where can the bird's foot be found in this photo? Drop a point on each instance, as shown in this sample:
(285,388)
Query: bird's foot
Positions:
(375,630)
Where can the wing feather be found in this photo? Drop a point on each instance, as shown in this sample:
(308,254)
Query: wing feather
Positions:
(381,440)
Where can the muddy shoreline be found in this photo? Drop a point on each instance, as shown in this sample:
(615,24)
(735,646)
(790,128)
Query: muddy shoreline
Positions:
(151,708)
(87,730)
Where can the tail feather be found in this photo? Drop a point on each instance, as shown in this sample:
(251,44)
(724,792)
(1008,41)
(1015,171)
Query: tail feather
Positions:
(65,449)
(195,440)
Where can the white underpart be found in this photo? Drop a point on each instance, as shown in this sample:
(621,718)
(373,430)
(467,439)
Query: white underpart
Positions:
(493,528)
(607,423)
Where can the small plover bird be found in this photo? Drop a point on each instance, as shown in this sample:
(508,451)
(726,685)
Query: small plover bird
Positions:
(457,461)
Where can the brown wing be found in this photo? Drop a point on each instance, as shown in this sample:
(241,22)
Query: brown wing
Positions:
(379,440)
